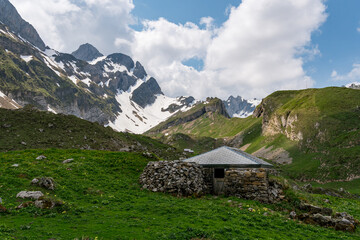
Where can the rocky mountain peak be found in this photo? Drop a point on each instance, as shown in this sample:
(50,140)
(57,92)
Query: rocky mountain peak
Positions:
(87,52)
(12,19)
(240,107)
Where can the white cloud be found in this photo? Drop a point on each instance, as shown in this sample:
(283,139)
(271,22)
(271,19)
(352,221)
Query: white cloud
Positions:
(258,50)
(358,29)
(207,21)
(353,75)
(65,24)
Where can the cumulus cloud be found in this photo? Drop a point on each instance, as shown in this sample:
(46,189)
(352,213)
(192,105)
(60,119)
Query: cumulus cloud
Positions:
(259,49)
(353,75)
(65,24)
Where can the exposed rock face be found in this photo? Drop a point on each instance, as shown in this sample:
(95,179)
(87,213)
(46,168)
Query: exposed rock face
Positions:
(274,124)
(145,94)
(30,194)
(278,155)
(122,59)
(139,71)
(240,107)
(10,17)
(176,177)
(87,52)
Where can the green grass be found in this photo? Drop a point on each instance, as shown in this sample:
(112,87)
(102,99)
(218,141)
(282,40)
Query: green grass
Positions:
(351,186)
(103,200)
(47,130)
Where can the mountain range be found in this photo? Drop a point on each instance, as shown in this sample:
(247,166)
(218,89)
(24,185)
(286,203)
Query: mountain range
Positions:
(113,90)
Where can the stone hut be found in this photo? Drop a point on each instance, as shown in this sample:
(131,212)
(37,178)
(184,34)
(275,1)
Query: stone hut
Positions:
(231,171)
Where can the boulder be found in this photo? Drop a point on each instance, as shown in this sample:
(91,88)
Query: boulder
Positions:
(44,182)
(322,220)
(68,161)
(344,225)
(292,214)
(25,205)
(46,203)
(41,157)
(30,194)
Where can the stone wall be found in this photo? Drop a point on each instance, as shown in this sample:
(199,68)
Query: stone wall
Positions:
(251,184)
(186,179)
(176,177)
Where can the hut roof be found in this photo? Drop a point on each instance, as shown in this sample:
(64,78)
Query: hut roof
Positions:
(226,157)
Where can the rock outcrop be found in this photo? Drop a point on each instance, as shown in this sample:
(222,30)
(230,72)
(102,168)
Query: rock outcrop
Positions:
(44,182)
(324,217)
(35,195)
(146,93)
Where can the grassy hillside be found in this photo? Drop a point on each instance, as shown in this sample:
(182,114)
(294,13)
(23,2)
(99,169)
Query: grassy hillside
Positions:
(319,128)
(29,128)
(107,203)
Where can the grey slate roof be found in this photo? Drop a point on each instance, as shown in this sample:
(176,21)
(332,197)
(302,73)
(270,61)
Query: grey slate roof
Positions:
(226,157)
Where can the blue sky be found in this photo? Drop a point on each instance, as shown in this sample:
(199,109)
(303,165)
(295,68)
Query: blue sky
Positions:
(217,48)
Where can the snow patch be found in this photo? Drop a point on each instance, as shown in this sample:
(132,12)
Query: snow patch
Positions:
(2,95)
(242,114)
(254,102)
(73,79)
(95,61)
(50,109)
(26,58)
(87,81)
(352,84)
(136,119)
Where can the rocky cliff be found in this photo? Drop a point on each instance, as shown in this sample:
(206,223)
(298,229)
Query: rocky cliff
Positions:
(11,18)
(240,107)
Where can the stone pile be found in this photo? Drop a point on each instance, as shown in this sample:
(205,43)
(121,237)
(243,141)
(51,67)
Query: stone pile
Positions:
(325,217)
(176,177)
(252,184)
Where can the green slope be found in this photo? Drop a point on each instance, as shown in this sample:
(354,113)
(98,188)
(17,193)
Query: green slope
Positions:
(28,128)
(103,200)
(321,131)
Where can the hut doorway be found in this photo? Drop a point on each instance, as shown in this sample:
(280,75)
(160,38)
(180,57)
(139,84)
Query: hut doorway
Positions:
(219,181)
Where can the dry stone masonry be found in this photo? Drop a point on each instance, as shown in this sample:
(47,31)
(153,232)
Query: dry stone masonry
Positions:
(185,179)
(176,177)
(252,184)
